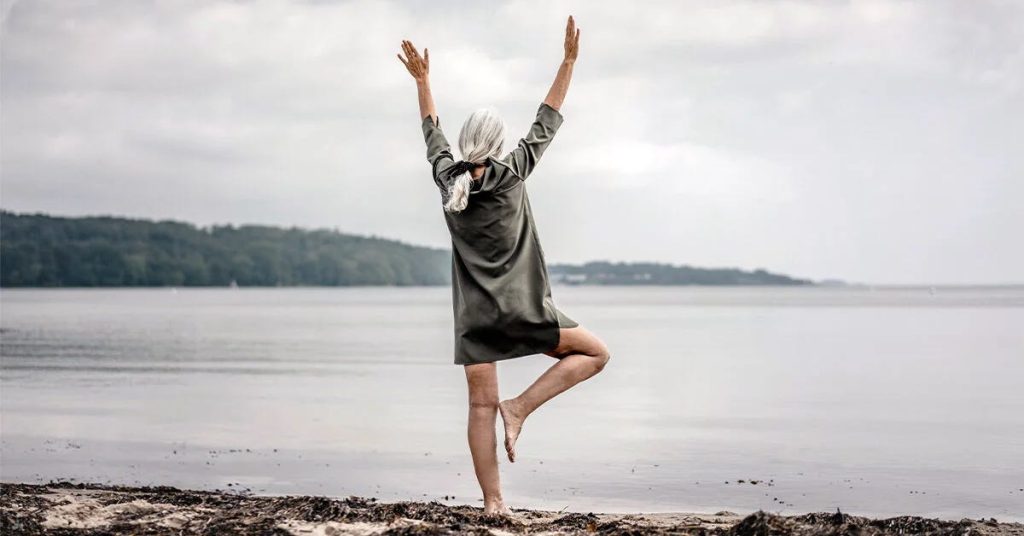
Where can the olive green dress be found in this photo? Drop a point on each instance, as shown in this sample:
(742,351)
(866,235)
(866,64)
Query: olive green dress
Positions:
(500,291)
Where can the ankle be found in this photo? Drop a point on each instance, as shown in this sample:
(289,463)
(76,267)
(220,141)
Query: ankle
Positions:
(519,408)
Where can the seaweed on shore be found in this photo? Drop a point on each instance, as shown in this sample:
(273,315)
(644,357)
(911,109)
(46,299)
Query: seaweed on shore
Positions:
(88,509)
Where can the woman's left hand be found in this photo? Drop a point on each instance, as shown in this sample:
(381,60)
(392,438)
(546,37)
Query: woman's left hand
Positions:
(419,67)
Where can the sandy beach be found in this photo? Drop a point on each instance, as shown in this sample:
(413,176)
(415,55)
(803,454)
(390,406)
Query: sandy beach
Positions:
(64,508)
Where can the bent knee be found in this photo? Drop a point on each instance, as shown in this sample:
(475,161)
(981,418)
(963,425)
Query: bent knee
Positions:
(602,357)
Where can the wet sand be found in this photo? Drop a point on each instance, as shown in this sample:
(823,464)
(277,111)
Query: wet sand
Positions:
(65,508)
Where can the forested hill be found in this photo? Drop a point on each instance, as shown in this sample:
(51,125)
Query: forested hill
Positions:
(45,251)
(647,273)
(38,250)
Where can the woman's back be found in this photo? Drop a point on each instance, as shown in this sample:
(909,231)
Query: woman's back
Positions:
(502,297)
(500,292)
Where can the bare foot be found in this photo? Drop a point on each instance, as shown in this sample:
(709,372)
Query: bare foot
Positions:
(510,415)
(497,508)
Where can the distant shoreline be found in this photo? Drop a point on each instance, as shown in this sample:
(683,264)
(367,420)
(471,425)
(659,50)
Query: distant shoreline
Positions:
(93,508)
(39,250)
(851,286)
(44,251)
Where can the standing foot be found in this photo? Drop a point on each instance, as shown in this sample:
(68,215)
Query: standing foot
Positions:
(496,508)
(511,415)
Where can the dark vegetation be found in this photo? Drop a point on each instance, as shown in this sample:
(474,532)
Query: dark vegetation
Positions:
(38,250)
(45,251)
(647,273)
(161,510)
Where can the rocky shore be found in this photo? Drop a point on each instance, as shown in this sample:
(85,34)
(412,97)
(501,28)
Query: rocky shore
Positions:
(67,509)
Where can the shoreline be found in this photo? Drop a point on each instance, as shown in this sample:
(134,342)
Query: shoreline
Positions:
(66,508)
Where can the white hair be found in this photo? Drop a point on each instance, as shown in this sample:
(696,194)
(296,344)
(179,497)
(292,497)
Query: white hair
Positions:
(482,136)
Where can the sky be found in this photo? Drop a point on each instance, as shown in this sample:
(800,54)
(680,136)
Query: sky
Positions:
(869,141)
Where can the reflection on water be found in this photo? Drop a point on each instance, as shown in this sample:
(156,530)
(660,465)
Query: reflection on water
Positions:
(878,402)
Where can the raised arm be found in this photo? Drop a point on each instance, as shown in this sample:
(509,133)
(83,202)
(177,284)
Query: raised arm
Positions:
(419,68)
(438,150)
(556,95)
(523,159)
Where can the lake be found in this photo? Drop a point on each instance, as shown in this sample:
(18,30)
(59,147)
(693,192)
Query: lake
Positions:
(881,401)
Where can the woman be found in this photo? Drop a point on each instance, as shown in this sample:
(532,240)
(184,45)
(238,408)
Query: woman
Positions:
(501,297)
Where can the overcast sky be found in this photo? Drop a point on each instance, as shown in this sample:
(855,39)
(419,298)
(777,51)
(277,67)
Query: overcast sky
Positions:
(869,141)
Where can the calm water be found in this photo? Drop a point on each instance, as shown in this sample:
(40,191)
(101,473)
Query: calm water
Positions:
(893,401)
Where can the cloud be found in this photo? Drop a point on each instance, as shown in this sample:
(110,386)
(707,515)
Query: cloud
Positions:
(682,169)
(869,140)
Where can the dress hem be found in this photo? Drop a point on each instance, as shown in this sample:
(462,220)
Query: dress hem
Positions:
(563,321)
(513,355)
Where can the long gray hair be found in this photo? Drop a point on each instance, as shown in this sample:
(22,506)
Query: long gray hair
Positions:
(482,136)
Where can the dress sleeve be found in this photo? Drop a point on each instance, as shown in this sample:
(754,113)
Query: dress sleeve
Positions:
(437,146)
(524,157)
(438,149)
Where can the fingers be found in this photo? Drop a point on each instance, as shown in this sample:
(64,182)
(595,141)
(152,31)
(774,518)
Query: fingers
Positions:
(411,55)
(403,61)
(413,60)
(409,51)
(572,34)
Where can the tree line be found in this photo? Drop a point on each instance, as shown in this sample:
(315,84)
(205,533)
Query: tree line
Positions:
(43,251)
(38,250)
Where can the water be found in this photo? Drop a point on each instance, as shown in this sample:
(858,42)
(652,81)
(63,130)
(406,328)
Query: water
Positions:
(883,402)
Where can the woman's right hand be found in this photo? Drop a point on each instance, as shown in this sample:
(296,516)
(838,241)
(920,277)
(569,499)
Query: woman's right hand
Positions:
(561,84)
(572,41)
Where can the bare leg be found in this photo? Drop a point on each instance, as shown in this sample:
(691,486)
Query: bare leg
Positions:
(482,380)
(580,355)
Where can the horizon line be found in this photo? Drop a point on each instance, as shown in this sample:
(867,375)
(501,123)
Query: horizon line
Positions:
(817,282)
